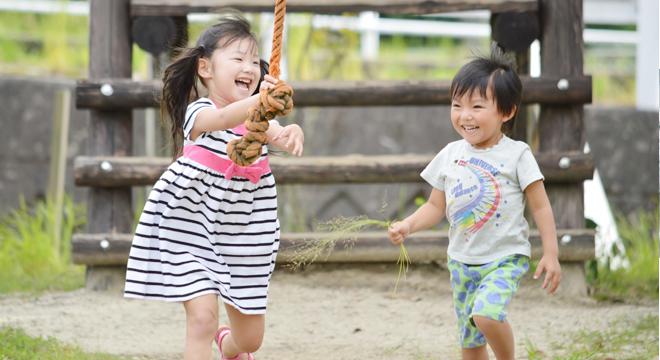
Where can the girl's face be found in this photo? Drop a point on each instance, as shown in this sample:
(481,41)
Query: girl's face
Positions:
(477,120)
(232,73)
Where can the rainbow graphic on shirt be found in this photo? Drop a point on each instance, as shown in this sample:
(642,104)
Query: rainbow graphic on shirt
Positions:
(474,215)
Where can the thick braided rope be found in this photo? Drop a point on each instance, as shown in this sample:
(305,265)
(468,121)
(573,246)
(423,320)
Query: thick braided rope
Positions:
(273,102)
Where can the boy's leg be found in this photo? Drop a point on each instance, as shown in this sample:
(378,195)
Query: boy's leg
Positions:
(478,353)
(247,333)
(496,289)
(463,284)
(201,324)
(499,336)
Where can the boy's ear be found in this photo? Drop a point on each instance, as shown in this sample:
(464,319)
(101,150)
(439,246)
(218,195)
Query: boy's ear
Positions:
(510,115)
(204,68)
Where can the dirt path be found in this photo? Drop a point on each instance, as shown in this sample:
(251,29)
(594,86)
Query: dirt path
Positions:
(337,313)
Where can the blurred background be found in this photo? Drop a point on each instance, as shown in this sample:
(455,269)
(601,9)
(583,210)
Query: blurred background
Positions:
(44,49)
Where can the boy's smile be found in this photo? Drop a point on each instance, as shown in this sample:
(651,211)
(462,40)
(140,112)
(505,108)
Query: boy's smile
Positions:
(477,119)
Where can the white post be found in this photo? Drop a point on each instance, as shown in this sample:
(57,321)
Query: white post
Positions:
(370,37)
(648,12)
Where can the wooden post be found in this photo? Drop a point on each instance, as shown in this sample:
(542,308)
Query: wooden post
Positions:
(561,128)
(58,155)
(110,132)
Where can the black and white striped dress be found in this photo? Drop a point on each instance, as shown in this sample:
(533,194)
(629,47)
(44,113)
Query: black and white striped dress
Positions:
(200,233)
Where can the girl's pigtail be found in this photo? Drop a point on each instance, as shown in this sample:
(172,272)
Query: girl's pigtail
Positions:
(179,88)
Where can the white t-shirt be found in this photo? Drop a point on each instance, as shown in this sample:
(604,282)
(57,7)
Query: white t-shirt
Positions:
(485,200)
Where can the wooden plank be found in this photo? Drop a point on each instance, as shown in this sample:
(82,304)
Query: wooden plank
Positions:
(425,246)
(113,94)
(123,171)
(561,128)
(184,7)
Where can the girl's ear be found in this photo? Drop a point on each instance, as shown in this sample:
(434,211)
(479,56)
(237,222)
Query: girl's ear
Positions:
(204,68)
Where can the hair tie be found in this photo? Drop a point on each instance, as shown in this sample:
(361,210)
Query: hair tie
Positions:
(202,49)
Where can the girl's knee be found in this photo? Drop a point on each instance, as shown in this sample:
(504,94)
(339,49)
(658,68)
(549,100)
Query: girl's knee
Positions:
(249,343)
(202,324)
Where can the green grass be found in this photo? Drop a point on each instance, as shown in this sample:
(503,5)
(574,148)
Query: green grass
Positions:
(29,258)
(638,281)
(624,340)
(16,345)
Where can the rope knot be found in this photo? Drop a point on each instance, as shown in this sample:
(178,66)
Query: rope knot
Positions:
(276,101)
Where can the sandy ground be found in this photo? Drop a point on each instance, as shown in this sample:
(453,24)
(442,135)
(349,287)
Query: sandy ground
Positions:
(323,313)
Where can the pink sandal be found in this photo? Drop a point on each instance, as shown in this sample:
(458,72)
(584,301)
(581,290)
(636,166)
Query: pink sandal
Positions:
(219,335)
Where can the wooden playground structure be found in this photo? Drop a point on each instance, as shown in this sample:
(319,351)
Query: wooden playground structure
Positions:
(110,95)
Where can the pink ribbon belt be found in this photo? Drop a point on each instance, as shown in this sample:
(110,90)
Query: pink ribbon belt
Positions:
(226,166)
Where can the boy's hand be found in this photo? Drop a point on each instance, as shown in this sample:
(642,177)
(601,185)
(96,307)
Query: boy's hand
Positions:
(294,137)
(549,264)
(398,232)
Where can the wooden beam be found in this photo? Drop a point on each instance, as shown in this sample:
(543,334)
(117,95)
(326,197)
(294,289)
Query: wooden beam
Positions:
(124,171)
(113,94)
(412,7)
(426,246)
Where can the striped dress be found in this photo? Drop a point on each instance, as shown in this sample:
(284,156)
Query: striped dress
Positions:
(200,233)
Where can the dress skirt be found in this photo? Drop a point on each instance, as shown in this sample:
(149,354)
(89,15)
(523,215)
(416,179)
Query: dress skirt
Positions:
(200,233)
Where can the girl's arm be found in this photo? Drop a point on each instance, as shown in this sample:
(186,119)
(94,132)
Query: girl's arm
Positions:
(539,205)
(427,216)
(230,116)
(289,138)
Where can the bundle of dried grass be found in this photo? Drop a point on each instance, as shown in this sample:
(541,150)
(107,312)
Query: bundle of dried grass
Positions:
(343,230)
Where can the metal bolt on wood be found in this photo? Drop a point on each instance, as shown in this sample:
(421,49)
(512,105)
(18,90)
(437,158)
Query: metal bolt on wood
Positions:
(107,90)
(563,84)
(564,162)
(106,166)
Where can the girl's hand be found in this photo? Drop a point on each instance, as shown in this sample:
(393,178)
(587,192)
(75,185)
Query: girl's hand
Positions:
(293,138)
(398,232)
(267,83)
(549,264)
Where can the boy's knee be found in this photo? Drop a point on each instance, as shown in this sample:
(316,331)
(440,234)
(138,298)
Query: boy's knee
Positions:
(482,322)
(249,343)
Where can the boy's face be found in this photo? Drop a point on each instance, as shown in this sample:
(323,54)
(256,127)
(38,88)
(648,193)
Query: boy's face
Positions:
(477,120)
(232,73)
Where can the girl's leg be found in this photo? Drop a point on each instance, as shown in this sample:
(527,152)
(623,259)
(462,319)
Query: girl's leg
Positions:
(478,353)
(499,336)
(201,324)
(247,333)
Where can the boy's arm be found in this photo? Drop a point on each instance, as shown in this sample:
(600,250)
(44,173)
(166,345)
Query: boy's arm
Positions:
(423,218)
(538,202)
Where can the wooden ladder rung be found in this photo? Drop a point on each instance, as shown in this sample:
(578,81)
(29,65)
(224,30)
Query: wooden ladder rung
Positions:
(575,245)
(113,94)
(568,167)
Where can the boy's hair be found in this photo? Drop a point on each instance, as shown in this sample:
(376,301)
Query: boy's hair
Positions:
(496,72)
(180,77)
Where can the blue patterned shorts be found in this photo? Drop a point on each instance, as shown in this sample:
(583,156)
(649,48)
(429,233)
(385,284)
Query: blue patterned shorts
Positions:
(484,290)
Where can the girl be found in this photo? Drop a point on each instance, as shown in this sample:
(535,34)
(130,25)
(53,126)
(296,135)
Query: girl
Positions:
(209,228)
(481,184)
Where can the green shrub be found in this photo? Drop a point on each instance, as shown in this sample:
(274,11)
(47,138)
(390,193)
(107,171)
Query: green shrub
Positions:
(30,258)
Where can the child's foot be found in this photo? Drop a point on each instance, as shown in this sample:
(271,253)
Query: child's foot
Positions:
(219,336)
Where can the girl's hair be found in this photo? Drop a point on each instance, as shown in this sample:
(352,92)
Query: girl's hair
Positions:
(495,72)
(180,78)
